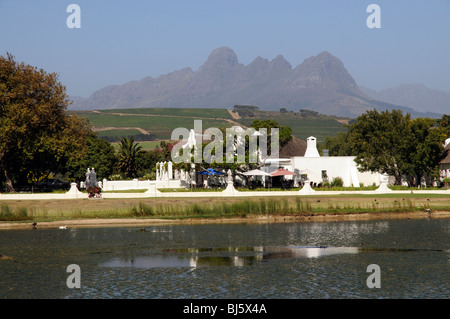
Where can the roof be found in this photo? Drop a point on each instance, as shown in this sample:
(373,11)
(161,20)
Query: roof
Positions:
(295,147)
(445,159)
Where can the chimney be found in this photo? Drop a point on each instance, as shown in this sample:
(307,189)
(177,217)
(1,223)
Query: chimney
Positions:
(311,147)
(325,152)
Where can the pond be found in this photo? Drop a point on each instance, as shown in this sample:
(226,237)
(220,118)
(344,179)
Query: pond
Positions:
(277,260)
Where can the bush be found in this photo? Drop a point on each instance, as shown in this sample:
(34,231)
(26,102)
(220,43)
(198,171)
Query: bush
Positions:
(337,182)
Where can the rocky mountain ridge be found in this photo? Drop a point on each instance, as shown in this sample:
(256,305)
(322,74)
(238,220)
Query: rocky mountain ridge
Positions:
(321,83)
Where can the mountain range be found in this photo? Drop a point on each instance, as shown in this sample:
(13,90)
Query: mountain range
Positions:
(416,96)
(321,83)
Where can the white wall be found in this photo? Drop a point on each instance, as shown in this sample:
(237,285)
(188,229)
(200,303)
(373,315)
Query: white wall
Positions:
(336,166)
(137,184)
(124,185)
(369,178)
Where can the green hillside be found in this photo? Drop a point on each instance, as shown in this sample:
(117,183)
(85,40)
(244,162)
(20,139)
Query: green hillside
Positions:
(319,126)
(187,112)
(158,123)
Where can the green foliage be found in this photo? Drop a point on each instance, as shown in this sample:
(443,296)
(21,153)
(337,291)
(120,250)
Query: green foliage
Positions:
(444,122)
(308,113)
(245,110)
(424,147)
(37,136)
(284,131)
(337,182)
(100,155)
(338,145)
(127,157)
(379,141)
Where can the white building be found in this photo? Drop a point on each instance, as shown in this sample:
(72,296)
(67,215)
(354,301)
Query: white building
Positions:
(444,164)
(319,169)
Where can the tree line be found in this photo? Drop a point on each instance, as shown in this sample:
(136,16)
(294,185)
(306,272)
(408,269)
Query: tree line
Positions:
(393,143)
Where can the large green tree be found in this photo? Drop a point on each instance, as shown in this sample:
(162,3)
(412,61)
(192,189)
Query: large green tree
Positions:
(37,136)
(337,145)
(99,154)
(424,147)
(378,140)
(392,143)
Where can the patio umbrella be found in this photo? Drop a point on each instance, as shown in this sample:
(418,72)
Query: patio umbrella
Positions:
(256,172)
(282,172)
(210,171)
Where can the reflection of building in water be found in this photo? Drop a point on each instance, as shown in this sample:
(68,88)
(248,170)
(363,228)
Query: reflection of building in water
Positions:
(222,257)
(265,253)
(228,256)
(307,252)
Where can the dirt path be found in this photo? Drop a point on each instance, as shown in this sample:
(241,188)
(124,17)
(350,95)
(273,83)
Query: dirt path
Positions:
(109,128)
(234,115)
(343,121)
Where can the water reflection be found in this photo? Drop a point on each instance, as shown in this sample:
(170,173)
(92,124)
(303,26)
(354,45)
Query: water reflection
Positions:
(295,260)
(236,256)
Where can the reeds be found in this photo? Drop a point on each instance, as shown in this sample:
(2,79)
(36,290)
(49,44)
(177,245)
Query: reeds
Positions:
(7,214)
(240,208)
(270,206)
(217,207)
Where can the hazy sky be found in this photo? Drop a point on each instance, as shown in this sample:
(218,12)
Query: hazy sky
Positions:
(120,41)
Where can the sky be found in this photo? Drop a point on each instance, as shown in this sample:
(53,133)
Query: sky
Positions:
(121,41)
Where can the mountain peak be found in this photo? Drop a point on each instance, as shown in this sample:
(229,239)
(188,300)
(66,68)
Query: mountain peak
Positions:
(280,62)
(324,67)
(221,57)
(324,57)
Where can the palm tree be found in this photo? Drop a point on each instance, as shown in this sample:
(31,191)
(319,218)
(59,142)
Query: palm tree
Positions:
(128,152)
